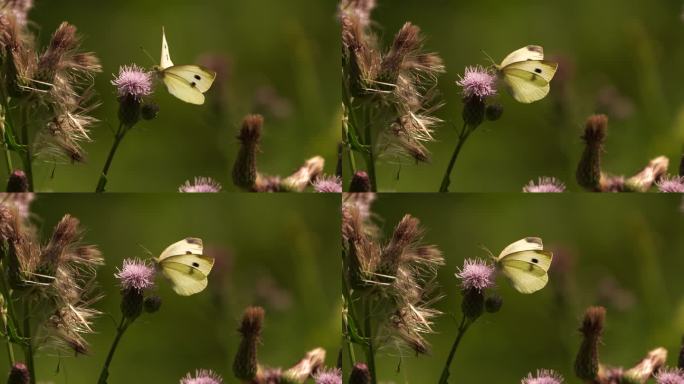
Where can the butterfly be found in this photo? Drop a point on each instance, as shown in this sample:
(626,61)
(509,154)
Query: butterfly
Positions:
(527,74)
(186,82)
(183,264)
(526,264)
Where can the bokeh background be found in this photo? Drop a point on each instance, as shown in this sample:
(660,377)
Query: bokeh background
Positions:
(275,251)
(622,252)
(279,58)
(622,58)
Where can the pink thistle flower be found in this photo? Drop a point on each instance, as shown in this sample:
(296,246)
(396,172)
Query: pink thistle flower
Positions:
(201,185)
(133,81)
(670,376)
(135,275)
(328,376)
(671,184)
(328,184)
(477,82)
(545,185)
(202,376)
(476,274)
(543,376)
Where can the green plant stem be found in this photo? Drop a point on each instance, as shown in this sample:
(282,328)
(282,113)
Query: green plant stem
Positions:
(368,335)
(104,374)
(370,157)
(28,349)
(28,158)
(462,137)
(102,182)
(462,328)
(352,162)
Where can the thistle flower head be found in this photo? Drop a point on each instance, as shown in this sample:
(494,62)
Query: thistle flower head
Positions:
(202,376)
(360,374)
(19,9)
(245,365)
(328,376)
(19,374)
(670,376)
(133,81)
(545,185)
(671,184)
(359,9)
(17,182)
(328,184)
(201,185)
(245,167)
(135,275)
(587,360)
(477,82)
(476,274)
(543,376)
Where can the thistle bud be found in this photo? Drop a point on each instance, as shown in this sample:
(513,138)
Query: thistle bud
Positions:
(473,111)
(129,110)
(149,111)
(19,374)
(17,182)
(473,303)
(493,303)
(245,363)
(589,168)
(245,167)
(494,111)
(131,303)
(587,361)
(152,304)
(360,182)
(360,374)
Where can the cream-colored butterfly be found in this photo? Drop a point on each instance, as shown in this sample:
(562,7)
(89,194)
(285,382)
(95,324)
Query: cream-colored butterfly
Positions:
(527,74)
(183,264)
(526,264)
(186,82)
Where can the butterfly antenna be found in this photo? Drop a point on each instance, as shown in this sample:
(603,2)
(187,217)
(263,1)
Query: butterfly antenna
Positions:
(491,255)
(146,250)
(148,55)
(489,58)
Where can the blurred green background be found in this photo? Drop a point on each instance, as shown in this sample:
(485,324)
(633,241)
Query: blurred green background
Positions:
(623,252)
(275,251)
(620,57)
(281,59)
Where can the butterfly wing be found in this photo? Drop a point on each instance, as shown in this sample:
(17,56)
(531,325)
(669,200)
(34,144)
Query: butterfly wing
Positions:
(530,52)
(165,61)
(527,270)
(181,89)
(524,89)
(198,77)
(526,244)
(183,264)
(187,246)
(185,280)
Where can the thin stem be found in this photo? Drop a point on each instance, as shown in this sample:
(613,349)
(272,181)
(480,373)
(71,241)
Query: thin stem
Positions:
(443,379)
(120,133)
(8,154)
(462,137)
(368,335)
(6,328)
(352,162)
(104,374)
(370,157)
(28,349)
(28,158)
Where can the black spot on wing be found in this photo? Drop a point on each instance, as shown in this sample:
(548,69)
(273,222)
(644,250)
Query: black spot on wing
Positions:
(193,240)
(198,77)
(535,261)
(196,265)
(538,70)
(188,253)
(193,84)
